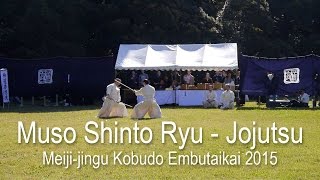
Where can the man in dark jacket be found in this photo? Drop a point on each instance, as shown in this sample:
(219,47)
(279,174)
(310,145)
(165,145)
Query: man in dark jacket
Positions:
(271,84)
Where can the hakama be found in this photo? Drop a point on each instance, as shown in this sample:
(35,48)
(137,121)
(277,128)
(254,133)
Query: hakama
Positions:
(227,100)
(149,105)
(112,107)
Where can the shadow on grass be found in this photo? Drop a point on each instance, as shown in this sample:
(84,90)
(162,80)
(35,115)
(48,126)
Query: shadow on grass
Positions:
(108,118)
(145,119)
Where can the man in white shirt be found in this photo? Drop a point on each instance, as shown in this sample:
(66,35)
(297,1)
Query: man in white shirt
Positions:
(148,105)
(210,99)
(112,107)
(188,78)
(304,97)
(227,98)
(303,100)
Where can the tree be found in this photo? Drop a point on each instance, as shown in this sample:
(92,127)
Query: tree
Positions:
(46,28)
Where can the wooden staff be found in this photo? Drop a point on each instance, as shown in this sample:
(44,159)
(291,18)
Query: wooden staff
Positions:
(125,85)
(116,101)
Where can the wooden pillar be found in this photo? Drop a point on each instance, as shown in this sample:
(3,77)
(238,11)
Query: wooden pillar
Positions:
(44,101)
(21,102)
(4,105)
(57,100)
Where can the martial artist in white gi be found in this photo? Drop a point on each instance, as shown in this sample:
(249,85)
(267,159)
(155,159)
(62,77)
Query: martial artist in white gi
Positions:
(227,98)
(112,107)
(148,105)
(210,100)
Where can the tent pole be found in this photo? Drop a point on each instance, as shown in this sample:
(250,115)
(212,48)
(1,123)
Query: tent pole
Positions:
(44,101)
(21,102)
(57,100)
(314,103)
(175,89)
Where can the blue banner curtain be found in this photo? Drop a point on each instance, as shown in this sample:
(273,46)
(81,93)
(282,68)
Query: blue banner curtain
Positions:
(254,74)
(88,76)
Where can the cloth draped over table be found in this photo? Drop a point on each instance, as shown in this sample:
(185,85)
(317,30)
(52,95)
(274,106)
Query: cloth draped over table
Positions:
(183,97)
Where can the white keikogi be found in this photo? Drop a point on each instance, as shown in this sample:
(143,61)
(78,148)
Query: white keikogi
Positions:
(304,98)
(210,100)
(148,105)
(227,98)
(112,107)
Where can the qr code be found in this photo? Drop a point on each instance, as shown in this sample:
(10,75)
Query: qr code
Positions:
(45,76)
(291,75)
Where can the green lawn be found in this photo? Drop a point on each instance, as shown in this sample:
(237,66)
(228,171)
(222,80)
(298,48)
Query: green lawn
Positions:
(24,161)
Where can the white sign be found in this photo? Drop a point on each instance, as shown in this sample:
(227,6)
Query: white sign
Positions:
(4,85)
(45,76)
(291,75)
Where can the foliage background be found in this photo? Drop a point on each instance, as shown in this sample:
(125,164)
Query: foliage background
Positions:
(46,28)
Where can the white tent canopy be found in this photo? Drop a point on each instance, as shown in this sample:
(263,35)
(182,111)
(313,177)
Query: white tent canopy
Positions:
(201,57)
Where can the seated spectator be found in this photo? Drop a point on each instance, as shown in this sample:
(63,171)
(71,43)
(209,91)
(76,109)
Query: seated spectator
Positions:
(207,79)
(156,79)
(224,74)
(175,76)
(167,81)
(210,100)
(188,78)
(302,101)
(229,79)
(162,85)
(142,77)
(218,77)
(133,81)
(174,85)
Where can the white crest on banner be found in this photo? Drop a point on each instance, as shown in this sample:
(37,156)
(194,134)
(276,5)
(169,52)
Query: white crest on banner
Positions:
(291,76)
(45,76)
(5,85)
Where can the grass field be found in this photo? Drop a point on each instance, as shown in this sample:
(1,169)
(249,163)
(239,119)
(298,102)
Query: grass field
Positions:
(24,161)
